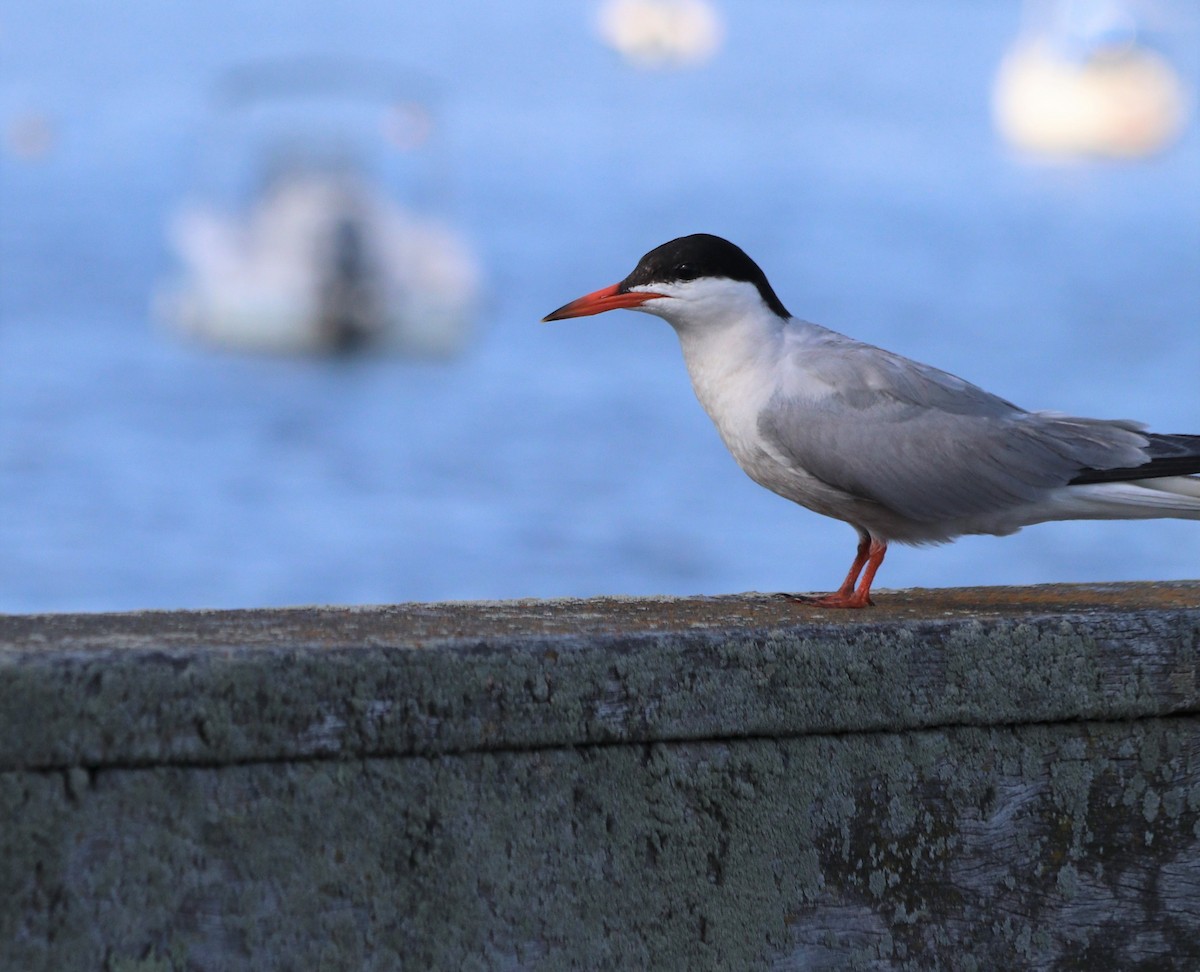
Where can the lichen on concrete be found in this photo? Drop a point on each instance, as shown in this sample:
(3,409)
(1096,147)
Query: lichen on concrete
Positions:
(626,785)
(239,686)
(896,850)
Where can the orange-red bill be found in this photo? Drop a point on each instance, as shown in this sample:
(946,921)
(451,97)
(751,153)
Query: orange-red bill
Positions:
(599,301)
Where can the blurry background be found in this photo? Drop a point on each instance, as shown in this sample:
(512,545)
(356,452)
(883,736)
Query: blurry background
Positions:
(874,157)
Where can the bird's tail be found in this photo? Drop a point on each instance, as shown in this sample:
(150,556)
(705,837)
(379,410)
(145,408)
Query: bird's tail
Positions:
(1165,496)
(1187,486)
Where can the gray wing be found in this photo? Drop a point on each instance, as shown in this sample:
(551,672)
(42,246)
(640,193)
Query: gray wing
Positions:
(930,446)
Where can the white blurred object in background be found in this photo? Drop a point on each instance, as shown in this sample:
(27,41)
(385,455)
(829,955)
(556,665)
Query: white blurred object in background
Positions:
(322,262)
(661,33)
(319,255)
(1083,85)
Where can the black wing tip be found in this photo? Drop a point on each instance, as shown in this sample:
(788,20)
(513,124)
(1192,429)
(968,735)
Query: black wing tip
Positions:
(1178,455)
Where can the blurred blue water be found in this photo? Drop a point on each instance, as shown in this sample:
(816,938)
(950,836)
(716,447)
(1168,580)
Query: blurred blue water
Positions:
(846,146)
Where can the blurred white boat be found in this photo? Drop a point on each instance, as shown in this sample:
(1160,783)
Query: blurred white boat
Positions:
(322,257)
(1082,84)
(322,262)
(661,33)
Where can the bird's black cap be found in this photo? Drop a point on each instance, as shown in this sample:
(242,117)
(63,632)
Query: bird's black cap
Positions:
(701,255)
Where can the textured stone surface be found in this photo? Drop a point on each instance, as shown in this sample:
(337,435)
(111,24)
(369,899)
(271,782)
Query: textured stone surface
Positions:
(959,780)
(220,687)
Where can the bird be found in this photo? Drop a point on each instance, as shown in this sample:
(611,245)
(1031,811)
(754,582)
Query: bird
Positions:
(900,450)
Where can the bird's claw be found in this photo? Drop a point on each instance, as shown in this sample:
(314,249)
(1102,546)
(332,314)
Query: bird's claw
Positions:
(851,600)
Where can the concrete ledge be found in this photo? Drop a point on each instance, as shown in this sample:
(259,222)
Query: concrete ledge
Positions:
(973,778)
(217,687)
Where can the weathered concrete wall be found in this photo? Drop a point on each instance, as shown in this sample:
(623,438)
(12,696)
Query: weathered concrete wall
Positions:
(959,779)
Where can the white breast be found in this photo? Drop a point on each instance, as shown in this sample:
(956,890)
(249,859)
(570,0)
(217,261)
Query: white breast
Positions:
(733,372)
(737,366)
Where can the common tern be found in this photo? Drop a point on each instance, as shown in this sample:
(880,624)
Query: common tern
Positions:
(900,450)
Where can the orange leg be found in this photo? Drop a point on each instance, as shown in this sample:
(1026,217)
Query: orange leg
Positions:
(860,558)
(870,555)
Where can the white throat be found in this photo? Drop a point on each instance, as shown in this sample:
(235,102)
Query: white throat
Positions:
(731,344)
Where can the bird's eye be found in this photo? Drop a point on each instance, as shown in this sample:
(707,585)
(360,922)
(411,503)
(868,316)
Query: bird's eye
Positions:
(686,271)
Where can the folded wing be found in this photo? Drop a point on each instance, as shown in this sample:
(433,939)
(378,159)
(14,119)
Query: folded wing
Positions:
(933,448)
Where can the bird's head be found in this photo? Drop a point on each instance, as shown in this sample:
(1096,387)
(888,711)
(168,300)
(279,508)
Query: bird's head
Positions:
(690,281)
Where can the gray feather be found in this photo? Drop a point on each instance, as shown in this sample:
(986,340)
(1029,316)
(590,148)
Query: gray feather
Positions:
(1165,455)
(929,446)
